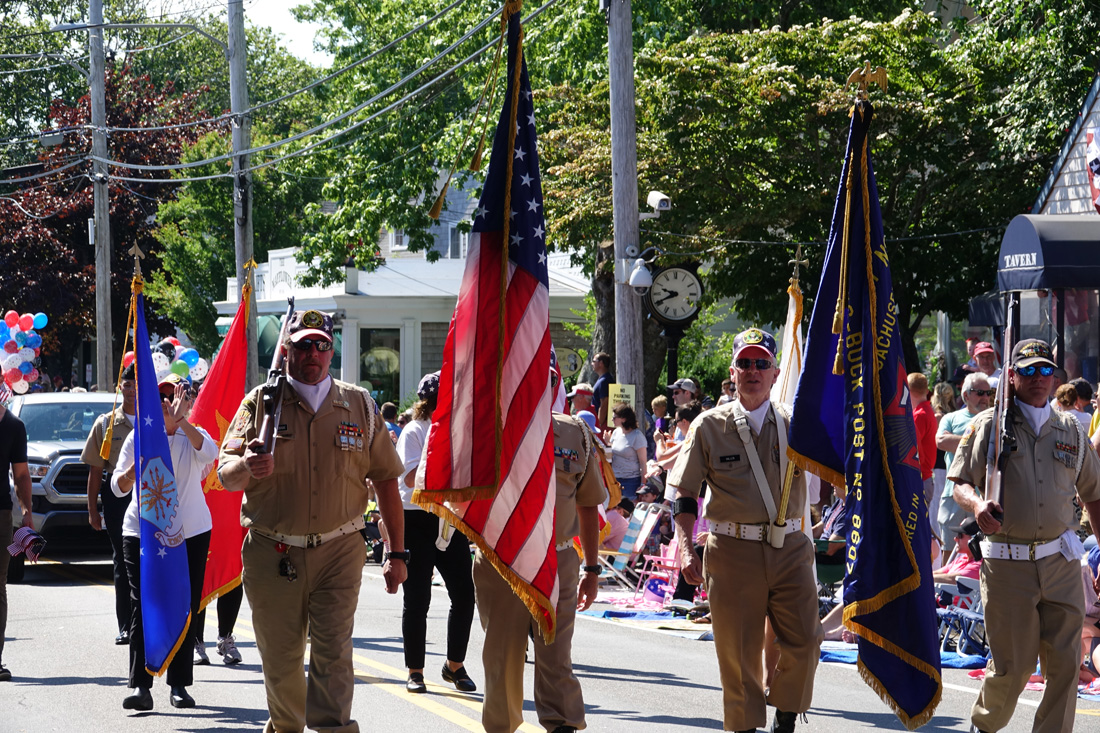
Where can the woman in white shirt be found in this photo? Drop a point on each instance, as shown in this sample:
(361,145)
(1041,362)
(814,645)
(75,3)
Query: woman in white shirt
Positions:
(628,446)
(193,452)
(1065,400)
(432,545)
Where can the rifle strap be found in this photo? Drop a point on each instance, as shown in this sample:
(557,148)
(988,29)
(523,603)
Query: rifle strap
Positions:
(744,431)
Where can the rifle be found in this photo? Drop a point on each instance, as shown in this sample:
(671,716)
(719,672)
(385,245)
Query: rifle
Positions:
(275,387)
(1003,443)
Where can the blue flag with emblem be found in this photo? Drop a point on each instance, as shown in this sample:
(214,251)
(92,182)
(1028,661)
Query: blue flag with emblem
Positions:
(853,425)
(165,588)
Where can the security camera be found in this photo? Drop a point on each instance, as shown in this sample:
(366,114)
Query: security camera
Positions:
(659,202)
(640,278)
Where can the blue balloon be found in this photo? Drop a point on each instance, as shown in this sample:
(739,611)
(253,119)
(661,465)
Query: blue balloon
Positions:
(26,367)
(4,331)
(190,357)
(21,339)
(33,340)
(40,320)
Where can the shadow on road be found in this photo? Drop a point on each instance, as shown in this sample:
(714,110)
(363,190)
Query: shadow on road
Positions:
(663,679)
(889,721)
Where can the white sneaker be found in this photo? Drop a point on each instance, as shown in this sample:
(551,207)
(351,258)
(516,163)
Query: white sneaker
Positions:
(200,653)
(227,647)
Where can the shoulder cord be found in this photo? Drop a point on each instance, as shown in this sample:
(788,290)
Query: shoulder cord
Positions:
(371,413)
(586,434)
(745,433)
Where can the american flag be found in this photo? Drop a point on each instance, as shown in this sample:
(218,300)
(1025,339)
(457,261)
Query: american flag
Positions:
(490,454)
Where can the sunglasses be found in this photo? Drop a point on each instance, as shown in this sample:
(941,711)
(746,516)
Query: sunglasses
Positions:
(746,364)
(305,344)
(983,392)
(1029,371)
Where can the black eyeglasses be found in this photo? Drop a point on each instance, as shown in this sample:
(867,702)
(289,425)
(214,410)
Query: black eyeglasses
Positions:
(305,344)
(1029,371)
(983,392)
(746,364)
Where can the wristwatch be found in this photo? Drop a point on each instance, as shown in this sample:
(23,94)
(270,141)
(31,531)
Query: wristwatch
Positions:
(403,556)
(594,569)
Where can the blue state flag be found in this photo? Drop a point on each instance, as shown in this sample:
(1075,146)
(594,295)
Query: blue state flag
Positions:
(165,588)
(853,424)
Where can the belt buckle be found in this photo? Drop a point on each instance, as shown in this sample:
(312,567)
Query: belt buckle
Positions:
(1031,551)
(313,540)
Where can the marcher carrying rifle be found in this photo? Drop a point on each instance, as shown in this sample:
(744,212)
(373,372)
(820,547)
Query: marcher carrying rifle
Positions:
(275,388)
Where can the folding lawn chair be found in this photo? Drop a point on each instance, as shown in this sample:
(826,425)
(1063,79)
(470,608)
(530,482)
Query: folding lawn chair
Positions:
(964,620)
(664,568)
(618,562)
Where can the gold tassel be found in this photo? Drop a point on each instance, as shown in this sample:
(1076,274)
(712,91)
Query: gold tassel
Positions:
(437,208)
(475,164)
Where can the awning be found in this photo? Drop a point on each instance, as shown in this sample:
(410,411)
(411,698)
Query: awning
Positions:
(988,309)
(1050,251)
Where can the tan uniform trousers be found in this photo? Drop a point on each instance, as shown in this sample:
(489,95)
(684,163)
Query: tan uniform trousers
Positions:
(322,603)
(1033,610)
(746,581)
(507,623)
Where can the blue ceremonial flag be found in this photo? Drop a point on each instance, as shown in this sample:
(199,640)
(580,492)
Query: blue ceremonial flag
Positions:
(165,588)
(853,424)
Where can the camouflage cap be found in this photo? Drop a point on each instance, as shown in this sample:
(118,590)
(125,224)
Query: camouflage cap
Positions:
(309,323)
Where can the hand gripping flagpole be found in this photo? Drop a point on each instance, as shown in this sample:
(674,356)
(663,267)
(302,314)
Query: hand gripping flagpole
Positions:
(777,535)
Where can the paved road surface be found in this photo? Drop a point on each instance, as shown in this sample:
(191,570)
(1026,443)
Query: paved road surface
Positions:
(69,675)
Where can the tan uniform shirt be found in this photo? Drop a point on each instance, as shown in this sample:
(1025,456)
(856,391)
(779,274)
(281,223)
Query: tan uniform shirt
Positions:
(713,452)
(317,486)
(1038,484)
(122,428)
(576,469)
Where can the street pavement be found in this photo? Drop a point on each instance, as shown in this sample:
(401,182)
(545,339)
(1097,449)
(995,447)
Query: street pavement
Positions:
(69,675)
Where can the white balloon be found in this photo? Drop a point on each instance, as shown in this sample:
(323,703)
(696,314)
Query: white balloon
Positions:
(160,361)
(200,369)
(14,330)
(179,350)
(11,361)
(20,387)
(25,354)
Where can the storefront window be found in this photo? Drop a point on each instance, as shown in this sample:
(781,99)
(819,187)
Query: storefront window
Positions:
(380,363)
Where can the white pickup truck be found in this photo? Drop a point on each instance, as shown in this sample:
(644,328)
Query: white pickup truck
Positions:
(58,425)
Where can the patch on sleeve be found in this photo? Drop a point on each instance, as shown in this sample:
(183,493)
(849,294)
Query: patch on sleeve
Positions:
(966,436)
(233,444)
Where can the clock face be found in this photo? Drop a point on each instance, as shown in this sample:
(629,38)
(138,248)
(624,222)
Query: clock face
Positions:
(675,294)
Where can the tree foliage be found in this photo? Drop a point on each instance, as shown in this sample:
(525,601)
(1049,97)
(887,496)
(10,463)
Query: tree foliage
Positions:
(45,261)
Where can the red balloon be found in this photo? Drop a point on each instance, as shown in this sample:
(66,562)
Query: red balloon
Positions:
(13,375)
(11,318)
(173,340)
(26,321)
(11,347)
(38,351)
(127,359)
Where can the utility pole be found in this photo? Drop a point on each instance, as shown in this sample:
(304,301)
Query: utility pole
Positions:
(102,204)
(242,177)
(624,196)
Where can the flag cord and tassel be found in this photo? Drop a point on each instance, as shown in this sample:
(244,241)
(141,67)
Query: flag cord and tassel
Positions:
(108,434)
(842,293)
(488,88)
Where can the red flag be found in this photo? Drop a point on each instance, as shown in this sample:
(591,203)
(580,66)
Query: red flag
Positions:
(218,401)
(490,453)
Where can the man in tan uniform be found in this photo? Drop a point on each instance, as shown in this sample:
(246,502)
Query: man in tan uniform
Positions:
(114,508)
(747,577)
(506,620)
(1031,572)
(303,556)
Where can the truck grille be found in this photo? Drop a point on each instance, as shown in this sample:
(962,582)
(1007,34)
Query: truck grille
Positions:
(72,479)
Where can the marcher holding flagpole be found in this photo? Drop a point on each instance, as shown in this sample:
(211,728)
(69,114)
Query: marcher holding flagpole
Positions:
(754,566)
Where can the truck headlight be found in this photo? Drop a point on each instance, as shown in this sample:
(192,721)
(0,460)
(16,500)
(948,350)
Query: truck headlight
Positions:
(38,470)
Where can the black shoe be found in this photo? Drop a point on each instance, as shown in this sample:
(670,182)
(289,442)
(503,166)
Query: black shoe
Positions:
(123,638)
(5,674)
(180,698)
(139,699)
(460,678)
(784,722)
(415,683)
(564,729)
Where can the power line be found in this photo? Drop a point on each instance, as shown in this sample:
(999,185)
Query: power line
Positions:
(339,118)
(311,85)
(794,244)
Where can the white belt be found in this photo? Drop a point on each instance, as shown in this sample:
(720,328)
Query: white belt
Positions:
(754,532)
(313,540)
(565,545)
(1032,551)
